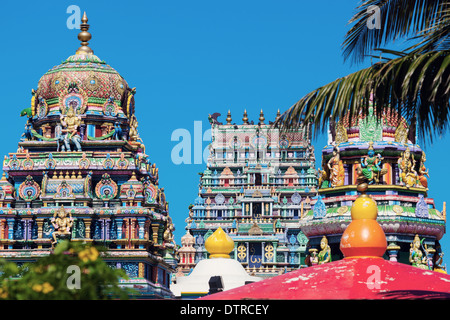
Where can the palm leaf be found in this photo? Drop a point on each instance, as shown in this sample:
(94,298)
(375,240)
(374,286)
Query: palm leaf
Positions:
(398,18)
(416,85)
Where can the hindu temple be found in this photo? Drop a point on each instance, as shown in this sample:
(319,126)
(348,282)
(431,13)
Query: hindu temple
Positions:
(382,152)
(81,172)
(258,184)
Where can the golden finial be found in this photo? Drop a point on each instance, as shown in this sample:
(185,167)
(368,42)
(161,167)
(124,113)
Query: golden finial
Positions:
(229,117)
(219,244)
(261,117)
(84,36)
(278,114)
(245,118)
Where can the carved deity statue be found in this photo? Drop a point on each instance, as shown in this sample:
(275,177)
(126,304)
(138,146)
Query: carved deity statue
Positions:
(370,169)
(62,224)
(406,164)
(323,178)
(423,171)
(70,123)
(438,260)
(336,167)
(416,256)
(314,258)
(325,252)
(168,233)
(133,134)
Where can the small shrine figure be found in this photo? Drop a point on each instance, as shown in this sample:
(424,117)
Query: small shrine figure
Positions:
(408,176)
(118,132)
(314,258)
(336,167)
(323,178)
(133,133)
(27,135)
(325,252)
(70,123)
(168,233)
(423,171)
(438,260)
(370,169)
(62,224)
(416,257)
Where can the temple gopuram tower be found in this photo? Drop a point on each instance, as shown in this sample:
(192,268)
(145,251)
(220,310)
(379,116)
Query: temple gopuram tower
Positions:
(380,151)
(258,183)
(81,157)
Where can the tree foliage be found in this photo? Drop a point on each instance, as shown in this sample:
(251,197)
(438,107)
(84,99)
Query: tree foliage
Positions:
(74,271)
(415,81)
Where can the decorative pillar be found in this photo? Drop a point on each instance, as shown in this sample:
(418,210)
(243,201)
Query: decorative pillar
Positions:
(107,229)
(275,246)
(87,224)
(141,224)
(155,229)
(82,130)
(392,250)
(141,272)
(119,223)
(27,229)
(10,229)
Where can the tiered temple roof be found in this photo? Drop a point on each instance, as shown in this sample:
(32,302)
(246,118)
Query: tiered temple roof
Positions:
(81,154)
(258,182)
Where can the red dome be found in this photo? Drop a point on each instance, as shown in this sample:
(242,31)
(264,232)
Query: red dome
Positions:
(353,278)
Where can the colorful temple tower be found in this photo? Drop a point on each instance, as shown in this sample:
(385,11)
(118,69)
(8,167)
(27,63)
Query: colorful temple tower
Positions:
(381,152)
(258,183)
(81,159)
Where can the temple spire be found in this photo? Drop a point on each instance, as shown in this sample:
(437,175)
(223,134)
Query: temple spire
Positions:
(229,117)
(261,117)
(84,36)
(245,118)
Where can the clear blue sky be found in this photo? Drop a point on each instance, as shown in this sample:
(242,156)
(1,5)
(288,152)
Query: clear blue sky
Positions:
(188,59)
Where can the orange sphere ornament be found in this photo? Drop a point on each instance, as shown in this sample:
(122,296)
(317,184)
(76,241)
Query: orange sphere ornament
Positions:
(363,237)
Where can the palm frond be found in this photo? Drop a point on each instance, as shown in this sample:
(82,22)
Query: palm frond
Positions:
(436,37)
(398,18)
(416,85)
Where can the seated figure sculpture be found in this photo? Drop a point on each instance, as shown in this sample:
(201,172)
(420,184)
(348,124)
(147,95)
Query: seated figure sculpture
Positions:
(406,164)
(70,123)
(370,170)
(62,224)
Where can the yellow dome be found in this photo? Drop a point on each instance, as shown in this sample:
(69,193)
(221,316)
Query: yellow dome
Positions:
(219,244)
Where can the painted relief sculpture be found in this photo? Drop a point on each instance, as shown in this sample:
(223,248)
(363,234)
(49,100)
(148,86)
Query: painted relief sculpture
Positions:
(62,224)
(336,168)
(325,252)
(417,258)
(406,164)
(423,171)
(370,170)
